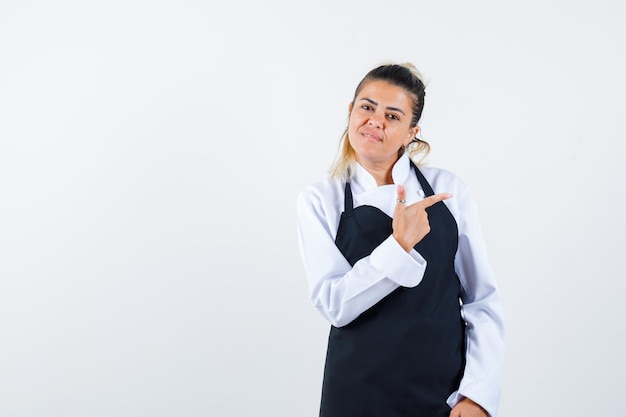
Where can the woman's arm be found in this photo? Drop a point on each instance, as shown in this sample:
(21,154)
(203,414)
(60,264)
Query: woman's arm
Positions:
(339,291)
(482,312)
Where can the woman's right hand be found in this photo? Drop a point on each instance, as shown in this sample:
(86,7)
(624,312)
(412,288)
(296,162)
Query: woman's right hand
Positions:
(410,223)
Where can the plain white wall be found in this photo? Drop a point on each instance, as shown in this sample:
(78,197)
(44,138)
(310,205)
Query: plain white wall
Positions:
(151,154)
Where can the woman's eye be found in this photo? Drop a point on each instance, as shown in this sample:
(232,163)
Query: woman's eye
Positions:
(366,107)
(393,117)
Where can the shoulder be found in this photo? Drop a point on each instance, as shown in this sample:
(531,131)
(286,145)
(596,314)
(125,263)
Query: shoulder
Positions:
(327,192)
(321,204)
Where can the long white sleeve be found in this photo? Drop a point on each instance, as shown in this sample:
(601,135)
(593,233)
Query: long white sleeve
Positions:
(339,291)
(481,310)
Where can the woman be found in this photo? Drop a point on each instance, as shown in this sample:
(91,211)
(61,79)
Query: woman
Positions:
(402,276)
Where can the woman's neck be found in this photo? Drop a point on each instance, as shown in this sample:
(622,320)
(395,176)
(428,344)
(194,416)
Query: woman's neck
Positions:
(380,172)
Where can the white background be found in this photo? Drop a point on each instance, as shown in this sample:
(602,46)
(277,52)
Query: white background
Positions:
(150,158)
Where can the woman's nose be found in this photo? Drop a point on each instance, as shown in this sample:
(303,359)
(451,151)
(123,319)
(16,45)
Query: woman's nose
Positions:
(375,120)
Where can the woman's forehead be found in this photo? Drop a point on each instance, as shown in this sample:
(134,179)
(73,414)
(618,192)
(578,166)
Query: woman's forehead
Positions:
(383,91)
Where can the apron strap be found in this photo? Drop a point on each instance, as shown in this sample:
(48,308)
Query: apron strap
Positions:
(425,185)
(348,205)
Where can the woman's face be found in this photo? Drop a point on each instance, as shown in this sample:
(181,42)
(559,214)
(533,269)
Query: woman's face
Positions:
(380,123)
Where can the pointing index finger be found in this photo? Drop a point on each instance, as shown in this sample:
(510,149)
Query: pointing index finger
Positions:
(434,199)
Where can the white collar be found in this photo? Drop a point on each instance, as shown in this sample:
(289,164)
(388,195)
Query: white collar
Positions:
(399,173)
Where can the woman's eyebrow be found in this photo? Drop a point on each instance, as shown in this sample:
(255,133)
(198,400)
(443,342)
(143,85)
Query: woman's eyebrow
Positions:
(369,100)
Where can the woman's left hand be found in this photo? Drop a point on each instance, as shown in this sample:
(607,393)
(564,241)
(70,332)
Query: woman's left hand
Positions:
(468,408)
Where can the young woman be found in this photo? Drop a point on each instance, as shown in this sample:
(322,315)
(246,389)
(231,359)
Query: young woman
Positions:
(396,262)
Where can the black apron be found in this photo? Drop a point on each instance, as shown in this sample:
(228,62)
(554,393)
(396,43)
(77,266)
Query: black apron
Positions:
(405,355)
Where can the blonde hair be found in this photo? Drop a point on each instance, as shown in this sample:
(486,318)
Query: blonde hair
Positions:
(407,77)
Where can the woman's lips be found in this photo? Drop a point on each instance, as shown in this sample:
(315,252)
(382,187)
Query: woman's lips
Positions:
(371,136)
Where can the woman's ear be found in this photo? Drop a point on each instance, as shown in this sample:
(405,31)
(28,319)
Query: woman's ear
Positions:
(413,133)
(349,107)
